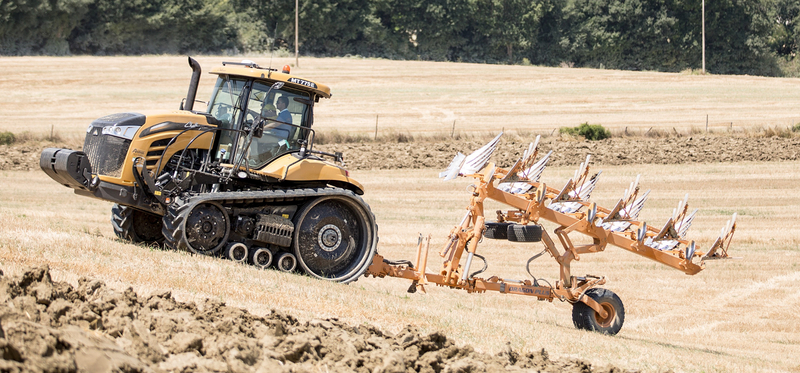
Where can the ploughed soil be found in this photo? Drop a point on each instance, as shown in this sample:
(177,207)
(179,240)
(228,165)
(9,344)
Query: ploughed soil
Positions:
(569,151)
(566,151)
(48,326)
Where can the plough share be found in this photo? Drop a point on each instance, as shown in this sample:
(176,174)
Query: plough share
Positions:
(571,210)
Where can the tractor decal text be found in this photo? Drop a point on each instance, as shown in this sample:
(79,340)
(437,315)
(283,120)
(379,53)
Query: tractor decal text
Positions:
(303,82)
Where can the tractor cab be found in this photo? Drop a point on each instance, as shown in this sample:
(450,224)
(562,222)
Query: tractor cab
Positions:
(263,113)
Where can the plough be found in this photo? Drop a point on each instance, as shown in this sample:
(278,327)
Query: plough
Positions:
(571,210)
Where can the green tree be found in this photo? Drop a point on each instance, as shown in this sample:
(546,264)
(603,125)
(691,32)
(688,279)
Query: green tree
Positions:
(327,27)
(626,34)
(785,36)
(433,28)
(155,26)
(737,36)
(39,26)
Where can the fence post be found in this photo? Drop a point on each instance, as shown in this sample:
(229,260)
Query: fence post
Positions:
(376,126)
(453,131)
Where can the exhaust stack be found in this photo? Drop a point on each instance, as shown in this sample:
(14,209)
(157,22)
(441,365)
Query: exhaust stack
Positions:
(196,71)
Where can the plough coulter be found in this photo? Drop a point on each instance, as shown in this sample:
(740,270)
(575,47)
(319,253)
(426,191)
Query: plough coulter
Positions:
(571,210)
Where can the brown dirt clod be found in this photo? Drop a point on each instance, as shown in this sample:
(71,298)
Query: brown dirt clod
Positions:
(48,326)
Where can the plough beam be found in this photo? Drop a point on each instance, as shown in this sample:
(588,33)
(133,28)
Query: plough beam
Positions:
(571,211)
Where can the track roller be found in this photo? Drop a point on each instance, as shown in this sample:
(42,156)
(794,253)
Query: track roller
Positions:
(260,257)
(584,317)
(286,262)
(237,252)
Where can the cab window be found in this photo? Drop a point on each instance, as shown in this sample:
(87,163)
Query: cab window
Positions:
(285,121)
(223,107)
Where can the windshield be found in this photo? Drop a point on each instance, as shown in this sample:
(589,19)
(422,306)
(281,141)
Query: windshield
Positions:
(284,113)
(284,121)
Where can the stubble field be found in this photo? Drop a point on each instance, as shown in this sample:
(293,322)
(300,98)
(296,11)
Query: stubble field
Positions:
(737,315)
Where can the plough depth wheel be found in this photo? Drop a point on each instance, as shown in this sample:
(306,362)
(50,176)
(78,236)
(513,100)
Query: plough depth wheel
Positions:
(524,233)
(584,317)
(496,231)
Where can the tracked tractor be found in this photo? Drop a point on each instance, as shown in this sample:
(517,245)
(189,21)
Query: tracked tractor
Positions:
(240,179)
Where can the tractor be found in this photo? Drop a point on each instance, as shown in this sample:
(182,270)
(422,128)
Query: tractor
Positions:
(240,179)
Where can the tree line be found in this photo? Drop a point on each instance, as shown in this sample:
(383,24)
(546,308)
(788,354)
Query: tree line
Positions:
(757,37)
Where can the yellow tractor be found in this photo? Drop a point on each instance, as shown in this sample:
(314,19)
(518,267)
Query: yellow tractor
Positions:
(241,179)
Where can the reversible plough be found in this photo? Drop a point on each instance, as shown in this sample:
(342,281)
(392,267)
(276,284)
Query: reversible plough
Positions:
(570,209)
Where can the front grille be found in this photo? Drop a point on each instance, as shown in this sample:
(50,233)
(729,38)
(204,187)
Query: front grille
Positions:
(106,153)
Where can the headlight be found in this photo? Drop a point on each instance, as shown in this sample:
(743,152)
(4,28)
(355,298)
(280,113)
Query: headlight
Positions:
(125,132)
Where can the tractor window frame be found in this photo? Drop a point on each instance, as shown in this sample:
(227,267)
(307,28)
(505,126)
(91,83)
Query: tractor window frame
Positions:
(278,138)
(227,96)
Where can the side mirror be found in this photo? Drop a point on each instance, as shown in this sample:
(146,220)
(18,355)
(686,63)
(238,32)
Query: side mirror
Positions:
(258,128)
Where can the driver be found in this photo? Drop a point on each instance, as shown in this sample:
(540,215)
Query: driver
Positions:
(284,115)
(223,114)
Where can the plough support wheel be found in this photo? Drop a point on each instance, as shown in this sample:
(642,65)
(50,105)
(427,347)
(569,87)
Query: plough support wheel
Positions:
(584,317)
(496,231)
(524,233)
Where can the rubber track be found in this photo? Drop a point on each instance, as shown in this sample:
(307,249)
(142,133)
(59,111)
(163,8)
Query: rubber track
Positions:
(122,223)
(121,220)
(179,210)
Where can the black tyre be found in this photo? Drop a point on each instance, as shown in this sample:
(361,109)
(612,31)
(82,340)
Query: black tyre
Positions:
(135,225)
(335,237)
(496,231)
(524,233)
(202,230)
(237,251)
(260,257)
(286,262)
(584,317)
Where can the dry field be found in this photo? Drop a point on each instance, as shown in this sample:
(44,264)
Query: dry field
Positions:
(736,316)
(415,97)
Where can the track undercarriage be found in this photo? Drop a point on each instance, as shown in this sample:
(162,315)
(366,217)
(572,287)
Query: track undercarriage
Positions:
(328,232)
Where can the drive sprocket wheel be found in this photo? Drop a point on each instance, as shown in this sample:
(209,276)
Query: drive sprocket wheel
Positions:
(335,237)
(202,230)
(135,225)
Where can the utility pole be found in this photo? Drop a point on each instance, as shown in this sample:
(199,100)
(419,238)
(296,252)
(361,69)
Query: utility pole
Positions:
(704,37)
(297,27)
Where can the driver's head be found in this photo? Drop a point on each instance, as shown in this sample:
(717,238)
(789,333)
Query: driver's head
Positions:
(268,111)
(282,102)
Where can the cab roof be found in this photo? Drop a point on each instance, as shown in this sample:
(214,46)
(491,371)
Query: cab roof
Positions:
(251,70)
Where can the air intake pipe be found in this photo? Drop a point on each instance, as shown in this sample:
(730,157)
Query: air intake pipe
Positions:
(196,71)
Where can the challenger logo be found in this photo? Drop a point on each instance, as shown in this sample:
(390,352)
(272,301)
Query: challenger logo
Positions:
(302,82)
